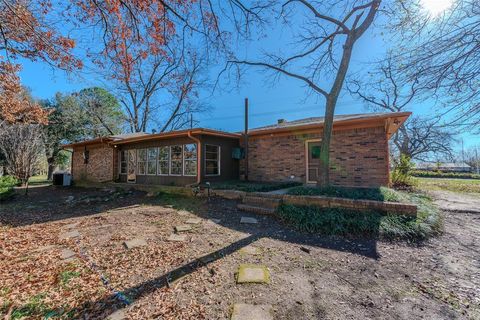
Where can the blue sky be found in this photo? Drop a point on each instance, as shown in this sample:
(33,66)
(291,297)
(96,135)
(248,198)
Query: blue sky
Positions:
(286,98)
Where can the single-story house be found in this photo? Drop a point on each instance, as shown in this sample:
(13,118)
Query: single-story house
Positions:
(285,151)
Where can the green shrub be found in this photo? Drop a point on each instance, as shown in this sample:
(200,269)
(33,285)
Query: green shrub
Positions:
(402,172)
(6,187)
(379,194)
(337,221)
(439,174)
(8,181)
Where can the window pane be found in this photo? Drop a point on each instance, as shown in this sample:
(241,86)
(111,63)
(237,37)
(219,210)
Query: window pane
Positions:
(163,153)
(210,148)
(176,167)
(123,167)
(190,151)
(315,152)
(152,167)
(152,154)
(163,167)
(123,155)
(142,155)
(176,152)
(211,167)
(141,168)
(190,167)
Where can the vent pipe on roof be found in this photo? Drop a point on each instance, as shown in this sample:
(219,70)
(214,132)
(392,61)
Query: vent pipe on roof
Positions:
(280,121)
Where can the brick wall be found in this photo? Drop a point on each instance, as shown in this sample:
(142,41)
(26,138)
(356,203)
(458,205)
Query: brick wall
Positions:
(358,157)
(99,167)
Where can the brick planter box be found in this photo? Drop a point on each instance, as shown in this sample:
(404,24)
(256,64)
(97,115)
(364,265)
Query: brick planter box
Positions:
(326,202)
(356,204)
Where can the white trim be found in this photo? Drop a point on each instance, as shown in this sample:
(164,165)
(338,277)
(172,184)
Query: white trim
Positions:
(170,161)
(219,160)
(196,160)
(307,179)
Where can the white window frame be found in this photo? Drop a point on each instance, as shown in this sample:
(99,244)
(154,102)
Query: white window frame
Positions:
(125,152)
(154,161)
(170,161)
(140,161)
(190,159)
(219,160)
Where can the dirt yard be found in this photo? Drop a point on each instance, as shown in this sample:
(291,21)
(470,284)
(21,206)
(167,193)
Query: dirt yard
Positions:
(62,255)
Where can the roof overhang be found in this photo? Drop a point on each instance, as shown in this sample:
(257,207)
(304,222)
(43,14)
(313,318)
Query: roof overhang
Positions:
(153,137)
(180,133)
(87,142)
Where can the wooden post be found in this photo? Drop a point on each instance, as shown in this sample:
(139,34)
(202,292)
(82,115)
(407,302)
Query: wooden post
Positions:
(246,139)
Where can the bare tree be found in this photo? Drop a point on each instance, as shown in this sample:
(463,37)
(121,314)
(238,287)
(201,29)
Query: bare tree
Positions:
(22,147)
(389,90)
(443,53)
(325,45)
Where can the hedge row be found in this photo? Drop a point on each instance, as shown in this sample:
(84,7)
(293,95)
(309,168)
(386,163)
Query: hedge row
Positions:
(434,174)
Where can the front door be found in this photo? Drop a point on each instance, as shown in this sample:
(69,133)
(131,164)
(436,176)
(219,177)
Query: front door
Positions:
(313,161)
(131,168)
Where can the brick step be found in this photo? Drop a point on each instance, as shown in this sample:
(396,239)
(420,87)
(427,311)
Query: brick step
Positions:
(272,203)
(255,209)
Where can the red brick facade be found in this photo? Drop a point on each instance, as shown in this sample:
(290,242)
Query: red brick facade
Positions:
(100,164)
(358,157)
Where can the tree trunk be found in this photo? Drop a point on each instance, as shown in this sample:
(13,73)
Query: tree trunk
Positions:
(51,167)
(324,176)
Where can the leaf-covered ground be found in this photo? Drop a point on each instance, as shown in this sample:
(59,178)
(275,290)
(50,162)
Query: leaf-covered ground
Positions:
(312,276)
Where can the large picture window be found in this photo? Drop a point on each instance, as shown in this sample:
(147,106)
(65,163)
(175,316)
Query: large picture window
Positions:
(190,159)
(176,160)
(123,162)
(212,160)
(152,161)
(142,161)
(163,160)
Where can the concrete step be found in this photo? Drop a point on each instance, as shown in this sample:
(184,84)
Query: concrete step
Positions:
(255,209)
(256,201)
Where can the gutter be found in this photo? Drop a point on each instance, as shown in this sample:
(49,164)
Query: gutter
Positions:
(199,155)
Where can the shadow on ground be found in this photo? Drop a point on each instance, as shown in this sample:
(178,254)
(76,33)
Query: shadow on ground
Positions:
(48,203)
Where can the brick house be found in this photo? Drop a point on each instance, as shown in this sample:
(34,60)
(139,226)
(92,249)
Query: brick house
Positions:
(286,151)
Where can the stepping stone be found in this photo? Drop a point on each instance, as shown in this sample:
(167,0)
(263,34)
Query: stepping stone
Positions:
(134,243)
(183,228)
(215,220)
(45,248)
(67,254)
(242,311)
(70,234)
(183,213)
(248,220)
(117,315)
(194,221)
(71,225)
(250,250)
(250,273)
(177,237)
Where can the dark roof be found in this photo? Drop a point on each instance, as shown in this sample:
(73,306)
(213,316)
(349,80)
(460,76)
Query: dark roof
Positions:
(141,136)
(128,135)
(320,120)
